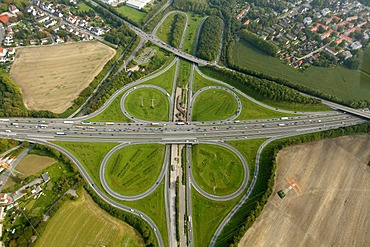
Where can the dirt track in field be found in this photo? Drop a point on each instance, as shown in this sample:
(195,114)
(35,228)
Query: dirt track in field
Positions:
(51,77)
(334,207)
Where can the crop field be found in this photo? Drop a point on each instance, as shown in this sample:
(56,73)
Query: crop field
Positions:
(134,169)
(191,33)
(217,170)
(83,223)
(332,209)
(214,104)
(30,165)
(163,32)
(341,82)
(51,77)
(147,104)
(134,14)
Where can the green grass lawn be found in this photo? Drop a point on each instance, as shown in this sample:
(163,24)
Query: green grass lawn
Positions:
(134,169)
(85,224)
(194,21)
(163,32)
(83,7)
(214,104)
(147,104)
(216,169)
(365,61)
(113,113)
(247,90)
(184,72)
(201,82)
(341,82)
(207,215)
(134,14)
(164,80)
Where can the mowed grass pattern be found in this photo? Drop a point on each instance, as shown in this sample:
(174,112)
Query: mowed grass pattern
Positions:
(83,223)
(147,104)
(341,82)
(216,169)
(214,104)
(134,169)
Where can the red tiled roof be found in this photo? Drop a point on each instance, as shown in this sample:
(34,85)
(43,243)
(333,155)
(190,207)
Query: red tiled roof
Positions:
(4,19)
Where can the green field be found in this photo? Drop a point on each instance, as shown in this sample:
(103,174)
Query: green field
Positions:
(216,170)
(83,223)
(163,32)
(134,169)
(164,80)
(147,104)
(194,21)
(184,72)
(113,113)
(83,7)
(201,82)
(365,61)
(341,82)
(214,104)
(207,215)
(134,14)
(247,90)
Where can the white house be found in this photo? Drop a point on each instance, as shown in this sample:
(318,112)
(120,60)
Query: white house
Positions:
(356,45)
(307,20)
(12,9)
(325,11)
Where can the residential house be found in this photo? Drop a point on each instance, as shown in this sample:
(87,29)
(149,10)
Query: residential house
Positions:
(356,45)
(347,54)
(12,9)
(325,11)
(307,20)
(331,51)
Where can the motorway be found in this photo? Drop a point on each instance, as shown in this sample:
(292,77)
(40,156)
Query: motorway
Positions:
(79,129)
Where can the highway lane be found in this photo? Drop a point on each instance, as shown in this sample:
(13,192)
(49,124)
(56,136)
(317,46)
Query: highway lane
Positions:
(236,193)
(189,204)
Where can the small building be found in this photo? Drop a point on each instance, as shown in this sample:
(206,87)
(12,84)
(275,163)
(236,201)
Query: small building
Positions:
(12,9)
(307,20)
(4,19)
(5,199)
(137,4)
(325,11)
(356,45)
(347,54)
(246,22)
(331,51)
(45,177)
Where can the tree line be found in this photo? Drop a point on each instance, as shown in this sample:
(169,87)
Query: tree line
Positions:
(209,38)
(259,43)
(176,30)
(264,188)
(264,88)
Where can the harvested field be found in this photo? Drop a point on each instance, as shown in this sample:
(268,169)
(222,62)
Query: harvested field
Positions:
(51,77)
(31,164)
(83,223)
(333,208)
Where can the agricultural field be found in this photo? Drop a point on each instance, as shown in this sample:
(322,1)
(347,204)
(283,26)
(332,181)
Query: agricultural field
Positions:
(334,177)
(344,83)
(134,169)
(133,14)
(103,229)
(51,77)
(163,32)
(30,165)
(191,33)
(214,104)
(147,104)
(216,170)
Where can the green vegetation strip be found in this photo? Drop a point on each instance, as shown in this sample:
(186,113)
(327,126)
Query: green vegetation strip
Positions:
(191,33)
(131,13)
(164,80)
(164,30)
(217,170)
(214,104)
(147,104)
(209,38)
(134,169)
